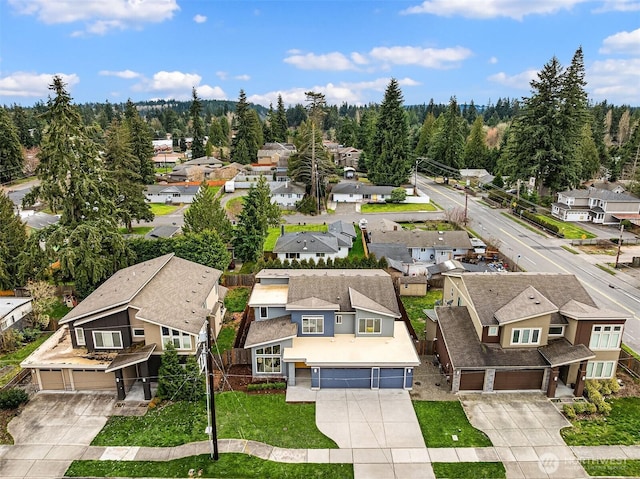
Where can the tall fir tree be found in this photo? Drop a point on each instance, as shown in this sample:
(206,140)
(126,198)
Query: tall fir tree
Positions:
(448,143)
(390,160)
(280,127)
(13,237)
(244,146)
(425,137)
(197,126)
(141,143)
(475,150)
(11,155)
(206,213)
(129,196)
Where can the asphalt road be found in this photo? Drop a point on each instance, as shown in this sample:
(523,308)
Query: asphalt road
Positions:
(534,252)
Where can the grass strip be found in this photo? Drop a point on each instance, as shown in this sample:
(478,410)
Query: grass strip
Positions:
(523,224)
(136,230)
(570,250)
(396,207)
(621,427)
(612,467)
(606,269)
(469,470)
(441,420)
(160,209)
(228,466)
(415,305)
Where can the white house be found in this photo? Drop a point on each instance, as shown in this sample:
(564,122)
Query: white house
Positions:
(171,193)
(13,310)
(287,195)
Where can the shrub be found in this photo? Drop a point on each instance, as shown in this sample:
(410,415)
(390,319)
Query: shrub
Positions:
(614,386)
(12,398)
(266,386)
(569,411)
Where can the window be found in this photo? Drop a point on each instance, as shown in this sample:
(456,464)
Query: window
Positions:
(556,330)
(605,337)
(175,337)
(312,324)
(525,336)
(493,331)
(292,255)
(369,326)
(107,339)
(138,332)
(268,359)
(320,255)
(600,369)
(338,319)
(264,312)
(80,341)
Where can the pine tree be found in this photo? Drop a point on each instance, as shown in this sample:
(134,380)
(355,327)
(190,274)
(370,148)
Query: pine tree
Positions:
(205,248)
(390,162)
(197,125)
(11,156)
(141,143)
(171,374)
(427,132)
(475,150)
(13,237)
(244,147)
(129,196)
(206,213)
(280,126)
(448,143)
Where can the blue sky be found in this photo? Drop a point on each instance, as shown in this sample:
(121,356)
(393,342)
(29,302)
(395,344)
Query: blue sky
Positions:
(349,49)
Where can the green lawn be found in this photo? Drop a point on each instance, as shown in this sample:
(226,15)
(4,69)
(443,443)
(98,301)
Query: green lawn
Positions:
(357,250)
(429,226)
(159,209)
(137,230)
(396,207)
(234,205)
(570,230)
(612,467)
(274,233)
(523,224)
(266,418)
(228,466)
(439,420)
(226,338)
(621,427)
(13,359)
(214,189)
(414,306)
(236,299)
(469,470)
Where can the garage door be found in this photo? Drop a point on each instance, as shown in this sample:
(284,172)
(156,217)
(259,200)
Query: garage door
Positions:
(52,380)
(94,381)
(392,378)
(471,380)
(345,378)
(518,380)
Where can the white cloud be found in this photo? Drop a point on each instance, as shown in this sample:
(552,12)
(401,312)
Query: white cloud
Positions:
(126,74)
(357,93)
(359,59)
(99,17)
(334,61)
(425,57)
(177,85)
(493,60)
(199,18)
(619,6)
(622,42)
(516,9)
(520,81)
(244,77)
(26,84)
(615,80)
(222,75)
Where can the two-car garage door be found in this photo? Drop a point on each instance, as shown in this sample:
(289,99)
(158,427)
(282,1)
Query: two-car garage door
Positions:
(367,378)
(74,380)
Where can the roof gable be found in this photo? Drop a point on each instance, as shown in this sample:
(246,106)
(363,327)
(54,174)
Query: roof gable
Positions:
(361,301)
(528,304)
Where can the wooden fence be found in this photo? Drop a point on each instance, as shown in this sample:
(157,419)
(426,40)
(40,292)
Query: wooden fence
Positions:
(232,357)
(231,280)
(630,363)
(21,376)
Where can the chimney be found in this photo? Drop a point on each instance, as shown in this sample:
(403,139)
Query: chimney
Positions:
(304,248)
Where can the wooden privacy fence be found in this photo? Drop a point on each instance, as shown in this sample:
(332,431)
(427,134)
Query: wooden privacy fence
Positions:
(231,280)
(630,363)
(232,357)
(21,376)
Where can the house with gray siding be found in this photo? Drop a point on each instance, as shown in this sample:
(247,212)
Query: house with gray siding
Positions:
(338,328)
(596,205)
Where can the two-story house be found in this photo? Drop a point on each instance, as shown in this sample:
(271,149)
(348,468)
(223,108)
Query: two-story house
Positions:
(524,331)
(596,205)
(117,335)
(14,312)
(287,195)
(338,328)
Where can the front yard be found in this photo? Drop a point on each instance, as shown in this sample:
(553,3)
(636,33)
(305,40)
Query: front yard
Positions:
(396,207)
(440,421)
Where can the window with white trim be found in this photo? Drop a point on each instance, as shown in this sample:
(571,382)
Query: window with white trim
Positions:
(107,339)
(369,326)
(320,255)
(80,341)
(556,330)
(312,324)
(493,331)
(338,319)
(264,312)
(292,255)
(605,337)
(268,359)
(179,339)
(600,369)
(138,332)
(525,336)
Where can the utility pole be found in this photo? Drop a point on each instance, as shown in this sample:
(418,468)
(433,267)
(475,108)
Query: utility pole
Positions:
(211,403)
(619,245)
(466,200)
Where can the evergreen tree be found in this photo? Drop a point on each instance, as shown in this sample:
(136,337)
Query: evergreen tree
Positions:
(204,248)
(13,237)
(129,196)
(206,213)
(171,375)
(72,176)
(141,143)
(244,147)
(11,156)
(390,161)
(216,135)
(197,125)
(475,150)
(280,126)
(448,143)
(587,151)
(425,138)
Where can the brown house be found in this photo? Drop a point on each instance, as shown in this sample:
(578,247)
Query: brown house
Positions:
(117,335)
(524,331)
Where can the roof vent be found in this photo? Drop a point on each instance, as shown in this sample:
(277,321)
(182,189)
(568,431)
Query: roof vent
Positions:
(531,297)
(537,302)
(440,233)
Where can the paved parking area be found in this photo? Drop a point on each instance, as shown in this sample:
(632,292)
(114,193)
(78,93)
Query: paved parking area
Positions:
(51,431)
(525,431)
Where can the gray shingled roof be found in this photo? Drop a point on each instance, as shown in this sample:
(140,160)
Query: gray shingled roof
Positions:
(288,187)
(396,252)
(335,289)
(560,351)
(163,231)
(361,301)
(342,227)
(306,242)
(182,189)
(489,292)
(574,308)
(466,350)
(423,239)
(601,194)
(527,304)
(357,188)
(270,330)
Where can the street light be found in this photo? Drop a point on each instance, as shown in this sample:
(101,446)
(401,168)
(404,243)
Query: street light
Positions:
(517,260)
(415,177)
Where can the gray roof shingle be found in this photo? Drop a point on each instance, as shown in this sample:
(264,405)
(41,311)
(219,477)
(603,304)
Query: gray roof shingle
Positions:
(263,332)
(423,239)
(306,242)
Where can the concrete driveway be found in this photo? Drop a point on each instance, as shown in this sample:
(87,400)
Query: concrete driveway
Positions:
(51,431)
(525,431)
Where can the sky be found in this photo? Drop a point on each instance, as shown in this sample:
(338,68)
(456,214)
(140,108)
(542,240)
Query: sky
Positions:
(478,50)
